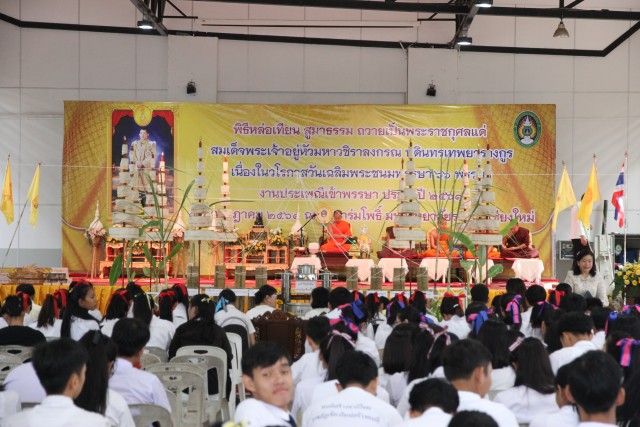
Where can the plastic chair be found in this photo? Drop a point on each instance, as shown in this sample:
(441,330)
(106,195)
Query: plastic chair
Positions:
(148,359)
(235,372)
(144,415)
(209,357)
(10,358)
(6,367)
(242,333)
(157,351)
(24,353)
(186,385)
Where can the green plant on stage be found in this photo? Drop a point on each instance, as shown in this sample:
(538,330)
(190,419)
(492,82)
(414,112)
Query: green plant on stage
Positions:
(626,280)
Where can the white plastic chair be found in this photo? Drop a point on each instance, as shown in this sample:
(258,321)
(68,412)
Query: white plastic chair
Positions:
(157,351)
(148,359)
(235,372)
(6,367)
(144,415)
(24,353)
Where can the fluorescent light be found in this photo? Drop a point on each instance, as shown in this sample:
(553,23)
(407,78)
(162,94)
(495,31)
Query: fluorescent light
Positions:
(464,41)
(145,24)
(484,3)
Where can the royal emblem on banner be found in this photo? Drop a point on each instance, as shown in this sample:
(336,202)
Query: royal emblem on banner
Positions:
(527,129)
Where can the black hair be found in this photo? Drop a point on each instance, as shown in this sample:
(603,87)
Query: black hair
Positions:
(227,294)
(533,368)
(133,290)
(393,310)
(339,296)
(398,349)
(356,367)
(583,253)
(332,347)
(515,285)
(539,311)
(130,335)
(496,305)
(629,323)
(461,358)
(512,316)
(55,362)
(561,291)
(78,292)
(451,306)
(562,376)
(102,350)
(320,297)
(493,335)
(551,337)
(143,308)
(12,306)
(434,392)
(384,300)
(118,305)
(474,308)
(599,316)
(573,303)
(263,292)
(480,293)
(166,301)
(628,414)
(472,419)
(26,288)
(418,301)
(593,302)
(535,294)
(262,355)
(205,307)
(372,304)
(575,323)
(182,295)
(318,328)
(409,314)
(595,380)
(616,351)
(427,350)
(47,314)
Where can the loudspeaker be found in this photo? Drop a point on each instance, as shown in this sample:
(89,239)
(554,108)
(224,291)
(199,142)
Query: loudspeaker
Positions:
(191,88)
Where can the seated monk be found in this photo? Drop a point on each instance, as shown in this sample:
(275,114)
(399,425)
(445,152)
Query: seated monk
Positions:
(517,244)
(492,253)
(338,232)
(389,251)
(439,242)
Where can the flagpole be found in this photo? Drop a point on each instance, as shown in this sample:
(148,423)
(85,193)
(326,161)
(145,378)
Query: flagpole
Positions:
(14,233)
(624,201)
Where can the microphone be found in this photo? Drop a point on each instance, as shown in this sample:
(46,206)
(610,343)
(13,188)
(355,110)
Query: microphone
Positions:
(314,215)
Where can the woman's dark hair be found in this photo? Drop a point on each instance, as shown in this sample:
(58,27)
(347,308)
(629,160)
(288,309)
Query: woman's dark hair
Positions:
(320,298)
(118,305)
(25,300)
(515,285)
(583,253)
(263,292)
(493,334)
(332,348)
(573,303)
(133,290)
(372,304)
(102,350)
(451,306)
(535,294)
(427,349)
(628,414)
(418,300)
(398,349)
(79,291)
(512,306)
(472,419)
(182,295)
(629,323)
(409,315)
(393,310)
(539,311)
(616,351)
(205,307)
(12,306)
(552,335)
(143,308)
(496,306)
(533,368)
(61,296)
(166,301)
(227,294)
(49,312)
(26,288)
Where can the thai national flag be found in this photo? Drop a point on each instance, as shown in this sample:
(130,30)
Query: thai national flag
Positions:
(617,199)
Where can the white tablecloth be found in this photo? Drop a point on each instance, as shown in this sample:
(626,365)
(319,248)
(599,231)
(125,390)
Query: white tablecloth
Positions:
(529,270)
(306,260)
(364,268)
(430,264)
(475,272)
(388,264)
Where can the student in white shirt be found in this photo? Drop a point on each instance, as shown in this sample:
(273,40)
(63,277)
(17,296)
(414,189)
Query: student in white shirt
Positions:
(467,366)
(595,385)
(433,402)
(516,286)
(166,304)
(117,309)
(266,299)
(319,303)
(356,404)
(28,289)
(534,295)
(396,361)
(162,331)
(60,366)
(48,322)
(495,337)
(23,380)
(567,415)
(375,314)
(453,317)
(27,305)
(95,395)
(512,305)
(599,316)
(310,365)
(181,309)
(266,373)
(470,418)
(135,385)
(575,335)
(226,313)
(384,329)
(77,321)
(533,392)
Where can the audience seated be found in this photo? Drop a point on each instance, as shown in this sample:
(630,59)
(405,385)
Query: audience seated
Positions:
(16,333)
(319,303)
(77,319)
(28,288)
(453,317)
(599,316)
(226,314)
(24,381)
(266,300)
(161,331)
(480,294)
(180,315)
(117,309)
(534,295)
(567,414)
(433,402)
(27,304)
(396,361)
(472,419)
(309,365)
(575,335)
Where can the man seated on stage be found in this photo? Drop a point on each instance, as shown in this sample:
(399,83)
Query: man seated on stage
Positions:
(517,244)
(439,242)
(492,253)
(338,232)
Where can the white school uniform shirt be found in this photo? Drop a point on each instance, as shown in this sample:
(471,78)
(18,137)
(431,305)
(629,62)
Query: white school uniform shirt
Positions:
(395,386)
(315,312)
(162,332)
(232,316)
(3,323)
(598,340)
(457,325)
(567,416)
(257,413)
(107,326)
(118,412)
(383,332)
(303,395)
(308,366)
(35,310)
(368,347)
(96,314)
(180,315)
(526,320)
(79,327)
(473,402)
(527,403)
(56,411)
(432,417)
(502,379)
(9,403)
(49,330)
(330,388)
(24,381)
(259,310)
(352,406)
(29,319)
(595,424)
(138,386)
(566,355)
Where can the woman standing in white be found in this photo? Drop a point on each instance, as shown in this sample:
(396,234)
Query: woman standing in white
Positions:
(584,278)
(265,299)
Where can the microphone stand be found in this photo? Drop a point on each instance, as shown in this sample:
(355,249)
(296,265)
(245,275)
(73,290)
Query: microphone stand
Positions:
(302,228)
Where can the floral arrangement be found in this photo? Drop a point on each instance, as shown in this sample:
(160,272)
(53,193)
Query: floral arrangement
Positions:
(276,238)
(627,277)
(138,247)
(91,234)
(256,247)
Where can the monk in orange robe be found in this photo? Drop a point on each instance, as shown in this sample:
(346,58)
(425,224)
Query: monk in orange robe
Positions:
(338,232)
(439,242)
(492,253)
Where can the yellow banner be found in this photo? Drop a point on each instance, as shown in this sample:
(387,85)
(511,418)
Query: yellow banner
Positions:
(288,157)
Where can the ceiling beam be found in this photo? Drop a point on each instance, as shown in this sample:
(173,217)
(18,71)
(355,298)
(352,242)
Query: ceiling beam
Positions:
(555,13)
(153,13)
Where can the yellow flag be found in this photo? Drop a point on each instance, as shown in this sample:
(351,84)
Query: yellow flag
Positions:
(565,198)
(7,196)
(590,196)
(34,195)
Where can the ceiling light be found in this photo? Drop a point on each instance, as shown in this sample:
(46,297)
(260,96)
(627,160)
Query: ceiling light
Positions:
(484,3)
(561,31)
(145,23)
(464,41)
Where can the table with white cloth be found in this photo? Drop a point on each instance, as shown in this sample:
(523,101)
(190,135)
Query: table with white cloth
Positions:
(306,260)
(388,264)
(364,268)
(436,267)
(478,271)
(529,270)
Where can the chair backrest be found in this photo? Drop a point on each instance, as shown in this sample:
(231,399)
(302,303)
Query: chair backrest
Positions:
(283,328)
(209,358)
(157,351)
(240,331)
(144,415)
(9,358)
(24,353)
(6,367)
(148,359)
(236,347)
